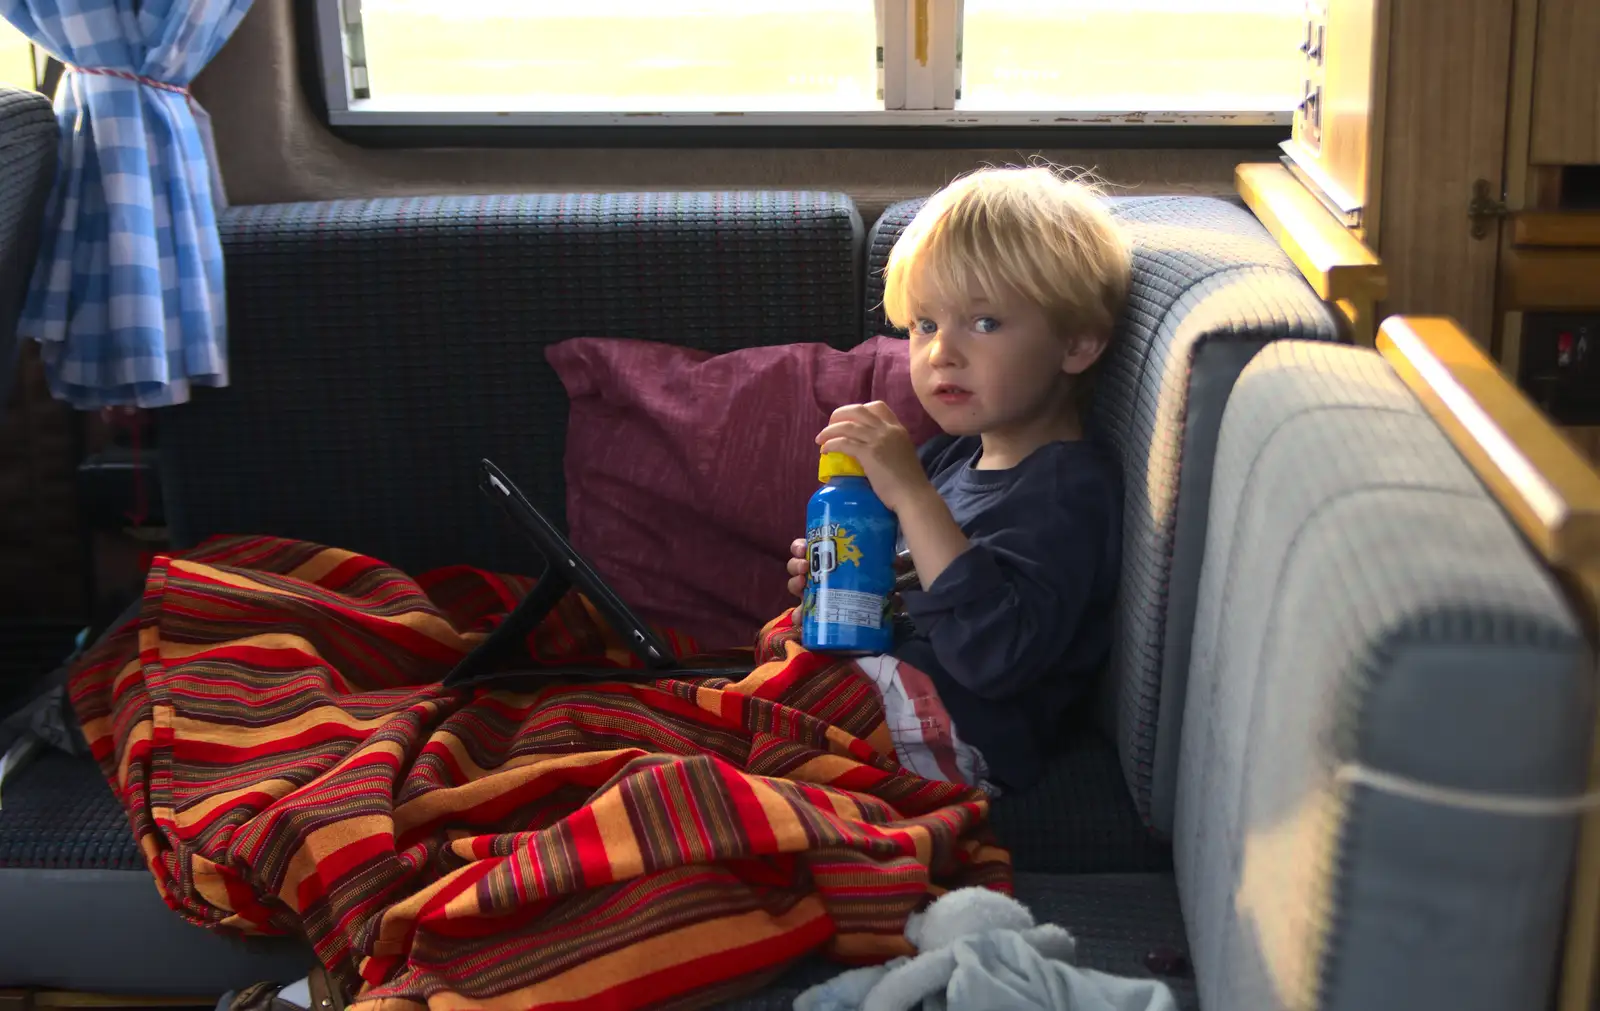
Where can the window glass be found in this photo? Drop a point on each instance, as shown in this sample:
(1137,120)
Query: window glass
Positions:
(622,55)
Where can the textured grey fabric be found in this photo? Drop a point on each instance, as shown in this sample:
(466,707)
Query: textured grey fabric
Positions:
(380,348)
(65,847)
(1214,366)
(60,814)
(1210,287)
(107,931)
(1078,819)
(28,141)
(1363,600)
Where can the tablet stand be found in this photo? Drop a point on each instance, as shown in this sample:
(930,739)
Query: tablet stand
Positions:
(513,632)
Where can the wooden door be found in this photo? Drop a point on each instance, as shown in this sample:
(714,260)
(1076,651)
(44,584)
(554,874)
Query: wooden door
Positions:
(1445,106)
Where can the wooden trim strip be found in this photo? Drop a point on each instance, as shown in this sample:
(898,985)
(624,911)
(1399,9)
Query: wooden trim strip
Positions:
(1540,479)
(1553,494)
(1333,261)
(1550,279)
(1545,228)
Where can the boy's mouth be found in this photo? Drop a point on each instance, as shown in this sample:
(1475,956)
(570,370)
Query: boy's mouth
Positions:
(950,393)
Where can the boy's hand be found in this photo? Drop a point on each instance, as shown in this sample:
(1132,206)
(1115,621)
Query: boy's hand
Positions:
(873,435)
(799,568)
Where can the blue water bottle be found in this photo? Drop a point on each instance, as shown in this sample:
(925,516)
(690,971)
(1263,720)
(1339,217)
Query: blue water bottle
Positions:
(850,538)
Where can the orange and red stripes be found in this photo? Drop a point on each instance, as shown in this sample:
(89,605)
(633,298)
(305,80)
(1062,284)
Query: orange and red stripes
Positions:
(273,722)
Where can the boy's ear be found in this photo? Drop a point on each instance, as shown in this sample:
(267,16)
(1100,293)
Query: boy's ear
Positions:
(1081,352)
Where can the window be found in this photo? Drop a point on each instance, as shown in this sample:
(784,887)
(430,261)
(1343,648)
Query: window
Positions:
(16,58)
(621,55)
(1133,55)
(774,62)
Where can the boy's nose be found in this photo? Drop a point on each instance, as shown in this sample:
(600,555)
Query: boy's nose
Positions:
(942,351)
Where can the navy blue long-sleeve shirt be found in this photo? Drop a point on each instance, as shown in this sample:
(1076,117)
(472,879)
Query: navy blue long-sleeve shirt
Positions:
(1014,630)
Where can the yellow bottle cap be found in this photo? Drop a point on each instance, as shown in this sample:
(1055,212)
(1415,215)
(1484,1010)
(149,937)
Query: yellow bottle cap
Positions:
(839,465)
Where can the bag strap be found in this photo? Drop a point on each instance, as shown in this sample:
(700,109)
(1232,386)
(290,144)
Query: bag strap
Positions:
(326,993)
(324,988)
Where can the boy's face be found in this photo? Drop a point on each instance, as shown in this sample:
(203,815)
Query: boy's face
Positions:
(993,366)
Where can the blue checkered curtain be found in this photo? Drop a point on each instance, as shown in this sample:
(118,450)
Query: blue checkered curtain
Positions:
(126,300)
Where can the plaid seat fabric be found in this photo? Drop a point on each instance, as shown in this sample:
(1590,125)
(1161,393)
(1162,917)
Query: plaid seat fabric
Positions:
(126,300)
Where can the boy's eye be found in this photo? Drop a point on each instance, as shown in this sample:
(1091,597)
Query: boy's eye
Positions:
(926,326)
(987,324)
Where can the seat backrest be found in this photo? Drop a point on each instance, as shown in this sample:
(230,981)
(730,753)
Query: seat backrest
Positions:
(379,348)
(1210,288)
(1365,606)
(41,543)
(28,141)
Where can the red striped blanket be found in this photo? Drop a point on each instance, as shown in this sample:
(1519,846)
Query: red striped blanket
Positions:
(274,724)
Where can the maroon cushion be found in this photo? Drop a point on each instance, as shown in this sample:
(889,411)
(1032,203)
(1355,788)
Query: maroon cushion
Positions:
(688,473)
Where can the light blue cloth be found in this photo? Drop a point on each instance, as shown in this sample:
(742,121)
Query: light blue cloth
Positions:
(994,969)
(126,300)
(978,950)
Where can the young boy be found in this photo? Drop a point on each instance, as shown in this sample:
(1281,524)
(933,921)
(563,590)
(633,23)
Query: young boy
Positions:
(1010,282)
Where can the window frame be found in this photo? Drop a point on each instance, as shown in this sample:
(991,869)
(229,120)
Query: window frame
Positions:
(909,119)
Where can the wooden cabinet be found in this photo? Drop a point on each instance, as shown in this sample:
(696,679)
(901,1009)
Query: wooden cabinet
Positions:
(1566,84)
(1340,112)
(1549,240)
(1407,112)
(1432,128)
(1445,129)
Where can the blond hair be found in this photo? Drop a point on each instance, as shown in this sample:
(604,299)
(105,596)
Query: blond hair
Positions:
(1025,230)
